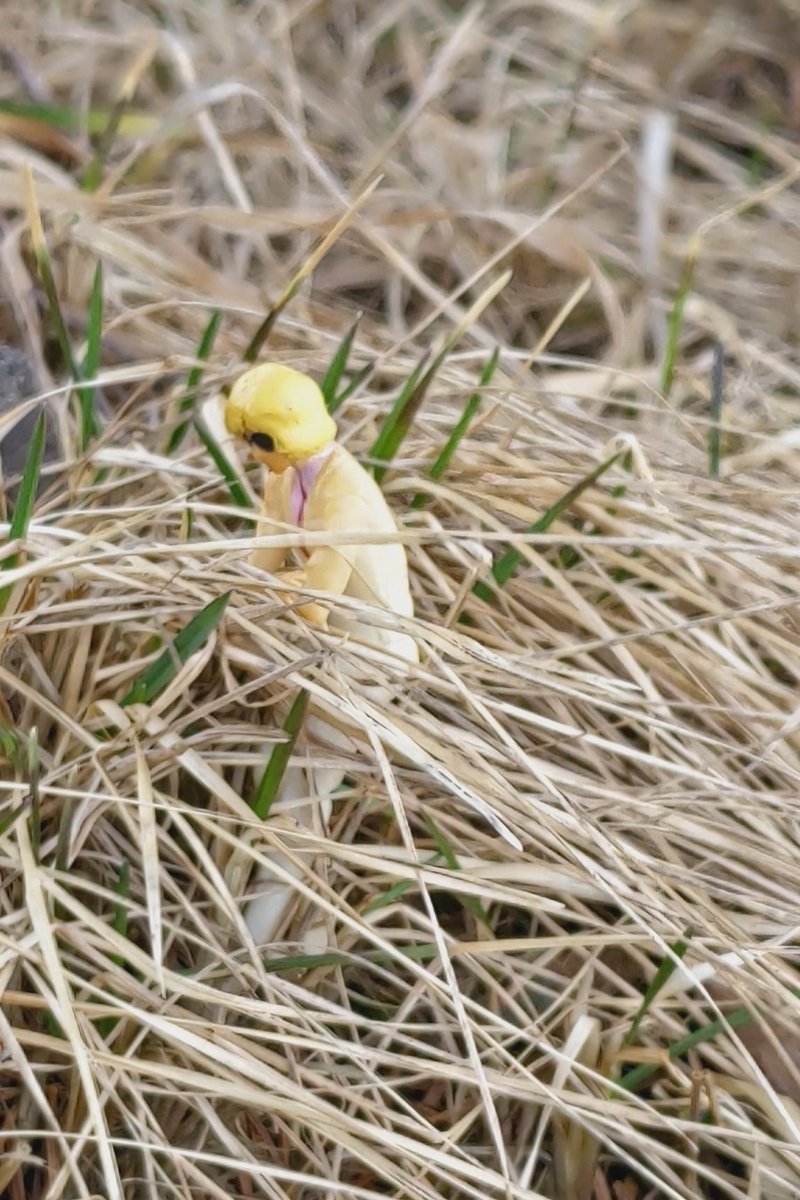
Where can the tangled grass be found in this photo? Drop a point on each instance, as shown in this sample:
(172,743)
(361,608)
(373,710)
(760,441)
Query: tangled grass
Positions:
(609,1012)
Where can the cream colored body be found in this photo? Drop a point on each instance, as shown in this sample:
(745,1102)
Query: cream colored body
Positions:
(343,498)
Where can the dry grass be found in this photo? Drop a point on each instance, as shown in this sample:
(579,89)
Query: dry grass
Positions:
(626,705)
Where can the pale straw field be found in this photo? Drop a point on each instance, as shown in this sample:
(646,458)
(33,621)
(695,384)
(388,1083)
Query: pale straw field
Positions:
(565,931)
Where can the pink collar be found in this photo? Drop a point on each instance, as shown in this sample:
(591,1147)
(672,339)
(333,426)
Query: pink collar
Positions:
(305,476)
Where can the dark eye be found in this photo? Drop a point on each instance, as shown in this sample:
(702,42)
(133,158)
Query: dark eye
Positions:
(262,440)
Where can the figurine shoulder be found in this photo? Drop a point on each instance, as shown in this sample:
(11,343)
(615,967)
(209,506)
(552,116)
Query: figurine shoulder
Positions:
(344,488)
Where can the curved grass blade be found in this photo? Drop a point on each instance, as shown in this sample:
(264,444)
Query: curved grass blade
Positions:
(675,324)
(72,120)
(89,422)
(26,499)
(659,980)
(267,790)
(322,247)
(508,563)
(41,256)
(634,1078)
(410,400)
(402,414)
(338,366)
(234,484)
(460,428)
(193,379)
(190,639)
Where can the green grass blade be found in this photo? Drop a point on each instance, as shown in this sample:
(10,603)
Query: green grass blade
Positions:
(93,175)
(42,257)
(7,821)
(508,562)
(449,855)
(460,428)
(254,346)
(675,324)
(190,639)
(44,268)
(355,383)
(659,980)
(338,958)
(89,423)
(388,897)
(193,379)
(408,403)
(396,890)
(234,484)
(33,774)
(717,400)
(73,120)
(123,890)
(267,790)
(633,1079)
(23,510)
(338,366)
(402,414)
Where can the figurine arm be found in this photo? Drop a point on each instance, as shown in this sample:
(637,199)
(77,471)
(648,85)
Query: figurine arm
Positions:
(269,558)
(329,568)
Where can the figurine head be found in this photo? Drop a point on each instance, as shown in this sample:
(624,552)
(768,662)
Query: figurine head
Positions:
(281,413)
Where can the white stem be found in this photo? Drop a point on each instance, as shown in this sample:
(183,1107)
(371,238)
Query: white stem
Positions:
(303,790)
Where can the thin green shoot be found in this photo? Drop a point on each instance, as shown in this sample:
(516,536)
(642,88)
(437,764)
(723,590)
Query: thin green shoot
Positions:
(460,428)
(507,564)
(236,490)
(43,266)
(632,1080)
(338,366)
(264,796)
(717,401)
(32,775)
(337,958)
(675,324)
(89,426)
(194,378)
(356,380)
(397,890)
(408,403)
(449,855)
(191,638)
(304,272)
(123,890)
(72,120)
(402,413)
(26,499)
(663,974)
(10,818)
(93,175)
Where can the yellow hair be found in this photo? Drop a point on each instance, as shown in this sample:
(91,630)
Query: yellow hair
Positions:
(285,405)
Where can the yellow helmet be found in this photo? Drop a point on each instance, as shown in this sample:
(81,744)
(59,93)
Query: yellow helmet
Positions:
(280,409)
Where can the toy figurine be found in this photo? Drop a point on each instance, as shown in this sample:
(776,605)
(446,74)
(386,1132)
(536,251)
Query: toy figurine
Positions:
(315,484)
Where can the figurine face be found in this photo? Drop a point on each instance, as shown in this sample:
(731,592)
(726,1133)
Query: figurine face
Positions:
(262,448)
(281,413)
